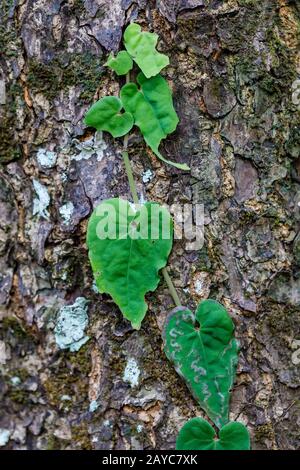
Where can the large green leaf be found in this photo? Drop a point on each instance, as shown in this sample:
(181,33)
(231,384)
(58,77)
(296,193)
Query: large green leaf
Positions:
(142,48)
(205,354)
(128,245)
(198,434)
(105,115)
(120,64)
(153,111)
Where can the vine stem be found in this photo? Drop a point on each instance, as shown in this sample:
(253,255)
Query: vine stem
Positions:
(130,178)
(135,198)
(171,287)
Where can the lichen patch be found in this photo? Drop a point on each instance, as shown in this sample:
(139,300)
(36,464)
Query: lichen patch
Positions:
(71,323)
(132,372)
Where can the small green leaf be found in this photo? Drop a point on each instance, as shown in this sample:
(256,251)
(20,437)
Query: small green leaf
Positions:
(105,115)
(153,111)
(141,46)
(205,354)
(120,64)
(198,434)
(128,245)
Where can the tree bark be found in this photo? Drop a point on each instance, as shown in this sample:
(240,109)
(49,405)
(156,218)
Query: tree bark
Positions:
(232,67)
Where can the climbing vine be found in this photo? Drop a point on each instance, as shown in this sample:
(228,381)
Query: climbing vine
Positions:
(129,243)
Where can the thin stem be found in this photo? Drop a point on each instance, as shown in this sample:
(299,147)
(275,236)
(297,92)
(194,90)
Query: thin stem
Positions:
(171,287)
(127,162)
(130,178)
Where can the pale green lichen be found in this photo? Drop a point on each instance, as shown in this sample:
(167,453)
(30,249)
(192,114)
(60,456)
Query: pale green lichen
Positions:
(71,322)
(64,177)
(15,381)
(66,398)
(95,288)
(93,146)
(94,405)
(132,372)
(42,201)
(46,158)
(66,212)
(147,176)
(4,437)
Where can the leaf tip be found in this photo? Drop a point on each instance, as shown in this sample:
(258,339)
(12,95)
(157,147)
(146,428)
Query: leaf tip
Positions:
(136,325)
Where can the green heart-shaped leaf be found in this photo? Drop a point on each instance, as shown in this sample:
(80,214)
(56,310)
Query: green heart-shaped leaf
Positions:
(141,46)
(120,64)
(128,245)
(105,115)
(153,111)
(198,434)
(205,354)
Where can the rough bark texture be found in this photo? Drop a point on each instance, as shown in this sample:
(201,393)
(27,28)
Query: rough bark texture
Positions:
(232,68)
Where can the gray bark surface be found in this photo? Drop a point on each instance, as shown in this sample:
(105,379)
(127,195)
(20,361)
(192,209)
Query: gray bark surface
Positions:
(232,66)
